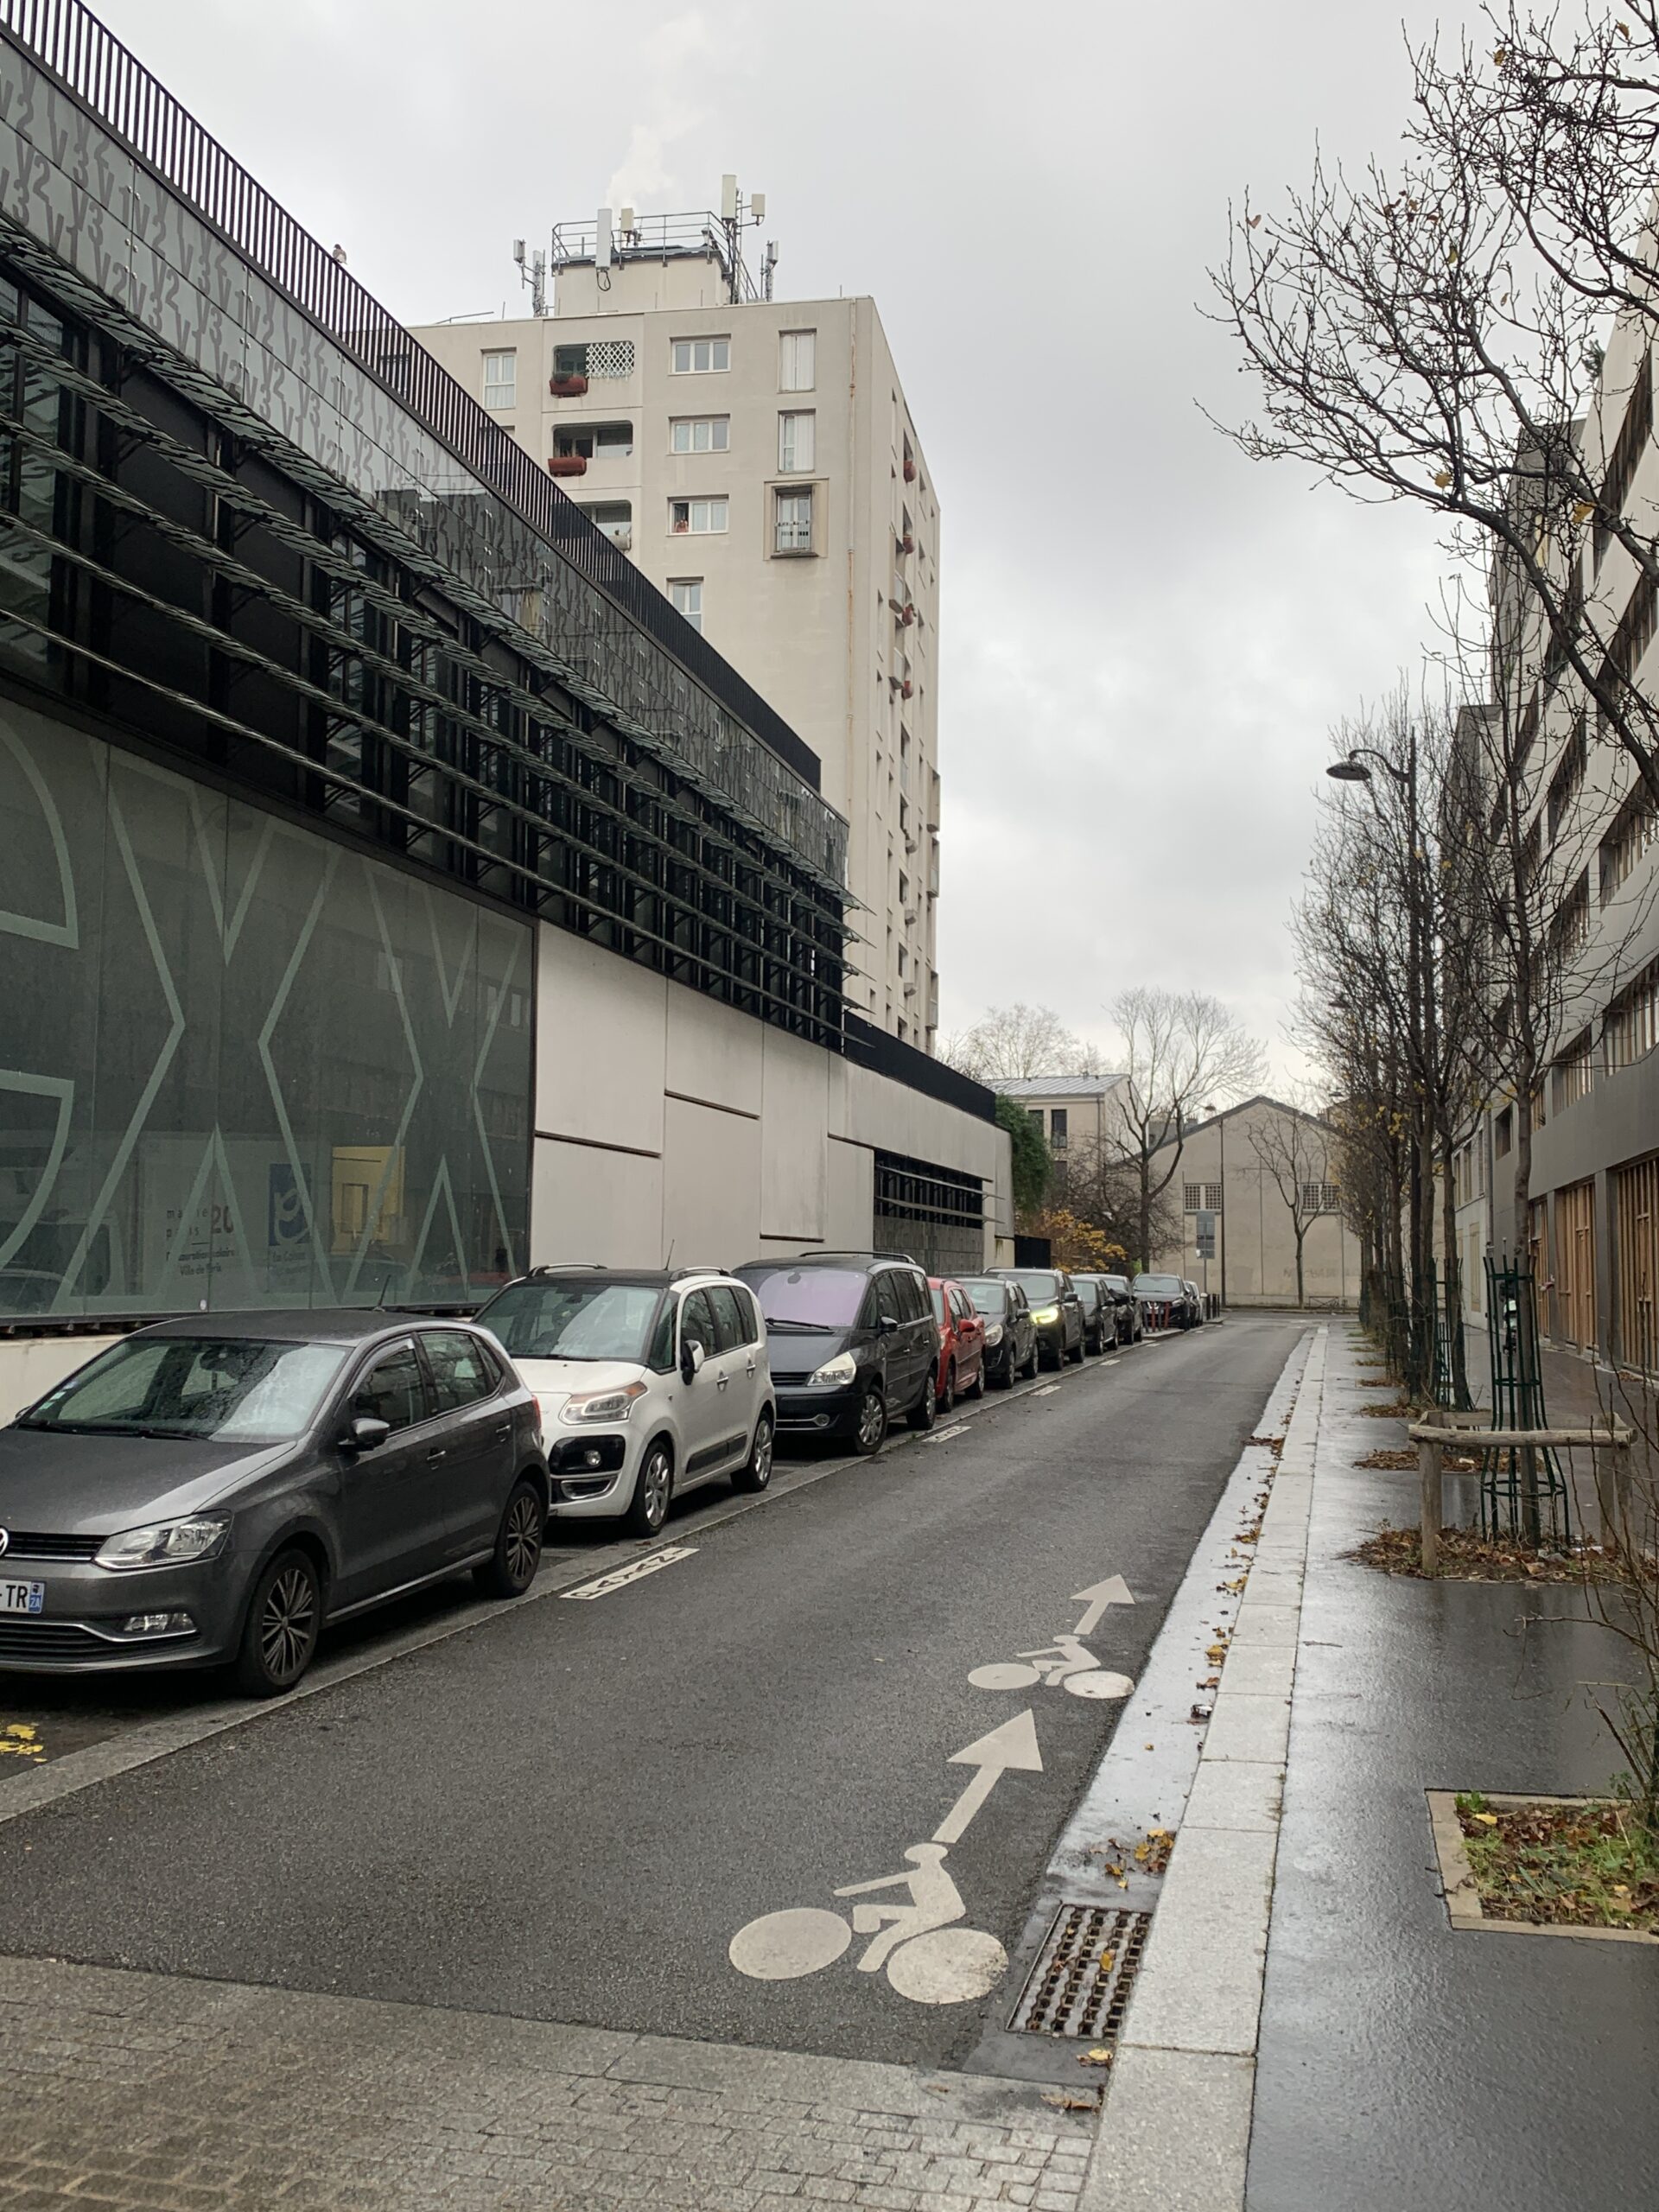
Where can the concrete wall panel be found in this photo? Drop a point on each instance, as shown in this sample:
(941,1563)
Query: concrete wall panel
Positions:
(600,1045)
(590,1203)
(711,1187)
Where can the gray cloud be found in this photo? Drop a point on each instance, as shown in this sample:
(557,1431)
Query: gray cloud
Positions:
(1145,636)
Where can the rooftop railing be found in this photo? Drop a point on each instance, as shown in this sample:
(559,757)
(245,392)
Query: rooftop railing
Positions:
(96,69)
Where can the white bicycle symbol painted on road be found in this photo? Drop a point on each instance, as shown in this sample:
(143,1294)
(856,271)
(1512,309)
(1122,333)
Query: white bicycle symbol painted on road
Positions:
(1065,1664)
(928,1960)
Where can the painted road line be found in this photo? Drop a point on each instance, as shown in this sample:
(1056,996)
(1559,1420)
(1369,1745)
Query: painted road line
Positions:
(944,1435)
(1115,1591)
(1043,1390)
(636,1570)
(1012,1744)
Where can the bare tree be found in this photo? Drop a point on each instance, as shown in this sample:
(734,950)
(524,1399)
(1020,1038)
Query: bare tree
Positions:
(1010,1042)
(1181,1053)
(1293,1149)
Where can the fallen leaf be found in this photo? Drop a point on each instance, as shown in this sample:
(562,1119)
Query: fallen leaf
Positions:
(1106,1960)
(1062,2102)
(1487,1819)
(1442,480)
(1098,2056)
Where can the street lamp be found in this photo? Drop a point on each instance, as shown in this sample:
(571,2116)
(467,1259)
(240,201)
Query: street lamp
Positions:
(1354,771)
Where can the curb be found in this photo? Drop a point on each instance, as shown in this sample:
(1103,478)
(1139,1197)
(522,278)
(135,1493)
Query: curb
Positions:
(1175,2124)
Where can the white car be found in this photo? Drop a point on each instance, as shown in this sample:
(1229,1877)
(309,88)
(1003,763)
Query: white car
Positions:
(648,1383)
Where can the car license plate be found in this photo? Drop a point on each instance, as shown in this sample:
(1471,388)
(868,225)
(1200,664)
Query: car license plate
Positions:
(23,1597)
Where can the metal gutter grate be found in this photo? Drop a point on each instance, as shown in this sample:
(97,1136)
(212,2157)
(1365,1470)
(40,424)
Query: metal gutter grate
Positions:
(1071,1991)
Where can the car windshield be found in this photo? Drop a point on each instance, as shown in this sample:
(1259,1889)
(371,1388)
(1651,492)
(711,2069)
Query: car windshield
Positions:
(1116,1282)
(1039,1286)
(1159,1286)
(938,1304)
(987,1296)
(808,1297)
(561,1318)
(219,1389)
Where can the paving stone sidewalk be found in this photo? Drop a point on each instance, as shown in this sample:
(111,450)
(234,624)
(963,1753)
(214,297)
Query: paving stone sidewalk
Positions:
(160,2094)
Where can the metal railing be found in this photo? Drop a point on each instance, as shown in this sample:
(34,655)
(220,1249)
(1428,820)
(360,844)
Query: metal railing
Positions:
(97,70)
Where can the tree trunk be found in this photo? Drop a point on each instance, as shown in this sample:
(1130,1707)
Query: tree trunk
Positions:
(1301,1294)
(1453,1288)
(1146,1210)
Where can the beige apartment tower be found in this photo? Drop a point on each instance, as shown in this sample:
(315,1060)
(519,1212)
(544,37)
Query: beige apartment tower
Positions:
(756,458)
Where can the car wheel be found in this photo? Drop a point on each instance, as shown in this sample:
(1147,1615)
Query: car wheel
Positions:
(945,1399)
(1076,1354)
(926,1411)
(1055,1358)
(870,1432)
(653,1489)
(1035,1362)
(510,1568)
(284,1621)
(1001,1378)
(976,1388)
(756,1471)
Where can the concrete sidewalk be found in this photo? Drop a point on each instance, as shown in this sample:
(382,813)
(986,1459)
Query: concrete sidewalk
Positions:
(1308,2031)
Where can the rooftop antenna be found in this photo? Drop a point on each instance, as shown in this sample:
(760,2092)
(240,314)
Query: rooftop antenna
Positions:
(735,211)
(532,271)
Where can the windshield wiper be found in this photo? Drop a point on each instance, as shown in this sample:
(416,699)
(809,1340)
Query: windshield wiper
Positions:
(112,1428)
(817,1328)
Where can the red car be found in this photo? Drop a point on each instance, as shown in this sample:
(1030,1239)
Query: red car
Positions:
(962,1345)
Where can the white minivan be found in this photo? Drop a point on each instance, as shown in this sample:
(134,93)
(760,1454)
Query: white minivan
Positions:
(649,1383)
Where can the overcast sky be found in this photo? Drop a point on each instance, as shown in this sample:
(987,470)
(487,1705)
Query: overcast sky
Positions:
(1146,637)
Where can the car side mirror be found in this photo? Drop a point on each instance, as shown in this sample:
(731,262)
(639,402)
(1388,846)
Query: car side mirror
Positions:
(887,1324)
(691,1359)
(365,1434)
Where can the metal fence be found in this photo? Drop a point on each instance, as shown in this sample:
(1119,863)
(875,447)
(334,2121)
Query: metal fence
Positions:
(96,69)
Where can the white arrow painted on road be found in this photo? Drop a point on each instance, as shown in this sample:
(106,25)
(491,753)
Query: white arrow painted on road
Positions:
(1097,1598)
(1012,1744)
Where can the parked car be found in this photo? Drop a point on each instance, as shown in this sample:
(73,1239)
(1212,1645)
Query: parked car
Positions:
(1099,1314)
(1194,1305)
(216,1489)
(1011,1346)
(648,1383)
(1163,1301)
(852,1341)
(962,1345)
(1056,1310)
(1129,1331)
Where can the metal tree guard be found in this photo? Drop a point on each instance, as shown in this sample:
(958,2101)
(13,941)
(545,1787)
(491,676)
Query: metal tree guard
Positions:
(1521,1486)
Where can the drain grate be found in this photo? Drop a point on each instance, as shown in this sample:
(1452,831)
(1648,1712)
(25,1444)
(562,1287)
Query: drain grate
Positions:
(1071,1991)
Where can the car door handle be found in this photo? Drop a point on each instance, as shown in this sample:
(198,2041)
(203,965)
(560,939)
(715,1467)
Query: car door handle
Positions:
(751,1367)
(720,1381)
(435,1454)
(503,1433)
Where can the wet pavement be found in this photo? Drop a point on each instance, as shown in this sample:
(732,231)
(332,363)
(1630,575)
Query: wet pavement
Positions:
(1400,2064)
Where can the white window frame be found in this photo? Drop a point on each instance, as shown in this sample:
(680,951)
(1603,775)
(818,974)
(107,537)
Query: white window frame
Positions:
(683,356)
(796,348)
(717,430)
(797,439)
(793,493)
(685,593)
(715,517)
(501,393)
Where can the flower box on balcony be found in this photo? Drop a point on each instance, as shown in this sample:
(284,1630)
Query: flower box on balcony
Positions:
(570,387)
(568,464)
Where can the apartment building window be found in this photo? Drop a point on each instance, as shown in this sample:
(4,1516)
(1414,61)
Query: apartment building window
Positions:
(1570,930)
(615,519)
(1636,827)
(1635,632)
(795,442)
(1320,1198)
(597,441)
(687,597)
(797,360)
(1192,1200)
(791,522)
(1569,775)
(1632,1025)
(1058,1123)
(697,518)
(501,379)
(1635,1202)
(1535,1110)
(1503,1132)
(1571,1076)
(700,356)
(1575,1263)
(1633,434)
(700,433)
(1212,1198)
(600,360)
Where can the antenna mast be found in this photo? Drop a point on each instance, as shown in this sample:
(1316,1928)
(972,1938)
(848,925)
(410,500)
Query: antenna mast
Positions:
(532,272)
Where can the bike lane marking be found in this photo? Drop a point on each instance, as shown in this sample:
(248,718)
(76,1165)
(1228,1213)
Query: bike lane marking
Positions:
(635,1570)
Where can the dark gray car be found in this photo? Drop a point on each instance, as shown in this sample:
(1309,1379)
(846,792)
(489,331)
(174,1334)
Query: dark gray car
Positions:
(215,1490)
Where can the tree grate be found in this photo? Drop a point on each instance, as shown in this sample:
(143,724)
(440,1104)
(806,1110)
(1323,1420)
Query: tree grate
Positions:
(1071,1991)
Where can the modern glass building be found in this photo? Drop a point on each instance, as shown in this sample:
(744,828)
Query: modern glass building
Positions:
(323,717)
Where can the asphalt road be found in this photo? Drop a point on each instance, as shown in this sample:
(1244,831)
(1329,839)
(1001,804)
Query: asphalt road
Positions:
(568,1810)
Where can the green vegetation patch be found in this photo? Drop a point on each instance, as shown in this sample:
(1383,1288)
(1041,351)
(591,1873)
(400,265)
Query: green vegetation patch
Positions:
(1593,1865)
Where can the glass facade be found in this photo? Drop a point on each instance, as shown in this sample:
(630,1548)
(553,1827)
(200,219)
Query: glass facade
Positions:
(241,1064)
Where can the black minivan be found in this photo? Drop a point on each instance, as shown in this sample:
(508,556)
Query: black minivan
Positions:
(851,1341)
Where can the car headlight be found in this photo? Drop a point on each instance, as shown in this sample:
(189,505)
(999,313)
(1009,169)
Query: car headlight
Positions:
(1045,1314)
(165,1543)
(601,1405)
(841,1369)
(993,1333)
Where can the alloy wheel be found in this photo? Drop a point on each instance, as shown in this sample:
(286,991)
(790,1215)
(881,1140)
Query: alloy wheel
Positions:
(523,1545)
(655,1480)
(760,1465)
(288,1624)
(872,1419)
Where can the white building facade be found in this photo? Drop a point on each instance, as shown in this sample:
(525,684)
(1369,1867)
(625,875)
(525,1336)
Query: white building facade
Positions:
(757,461)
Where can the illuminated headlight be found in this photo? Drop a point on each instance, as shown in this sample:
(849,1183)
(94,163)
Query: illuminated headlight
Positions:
(601,1405)
(165,1543)
(993,1333)
(1045,1314)
(841,1369)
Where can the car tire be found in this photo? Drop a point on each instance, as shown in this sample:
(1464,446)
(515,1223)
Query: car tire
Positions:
(653,1492)
(1075,1356)
(279,1637)
(510,1568)
(1056,1359)
(976,1388)
(870,1429)
(1001,1378)
(926,1411)
(944,1400)
(1034,1363)
(756,1471)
